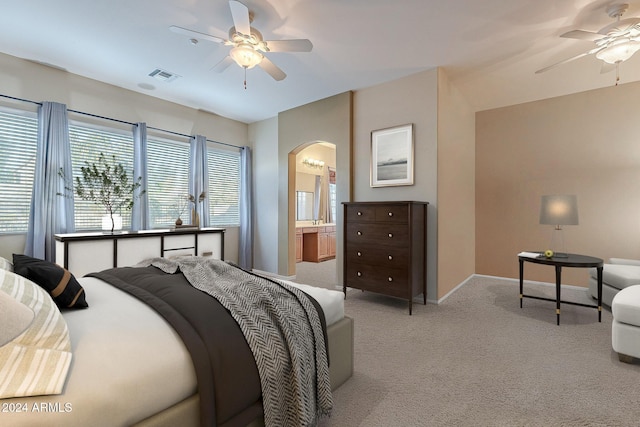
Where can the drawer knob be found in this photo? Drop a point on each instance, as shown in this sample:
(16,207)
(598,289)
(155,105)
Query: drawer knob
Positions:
(359,213)
(390,257)
(359,274)
(390,279)
(359,253)
(359,233)
(390,213)
(390,235)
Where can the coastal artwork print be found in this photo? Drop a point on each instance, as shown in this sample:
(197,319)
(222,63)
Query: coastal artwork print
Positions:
(392,156)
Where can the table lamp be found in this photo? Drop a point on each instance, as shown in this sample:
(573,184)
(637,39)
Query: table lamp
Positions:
(559,210)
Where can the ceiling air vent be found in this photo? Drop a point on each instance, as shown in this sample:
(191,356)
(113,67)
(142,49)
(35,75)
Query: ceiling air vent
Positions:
(165,76)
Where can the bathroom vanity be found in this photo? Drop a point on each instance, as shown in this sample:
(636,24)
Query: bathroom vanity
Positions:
(315,243)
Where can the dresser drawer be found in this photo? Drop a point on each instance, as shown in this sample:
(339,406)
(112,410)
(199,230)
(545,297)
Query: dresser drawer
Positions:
(361,213)
(397,214)
(377,234)
(385,257)
(372,278)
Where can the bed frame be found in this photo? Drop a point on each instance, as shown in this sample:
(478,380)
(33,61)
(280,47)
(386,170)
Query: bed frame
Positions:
(340,336)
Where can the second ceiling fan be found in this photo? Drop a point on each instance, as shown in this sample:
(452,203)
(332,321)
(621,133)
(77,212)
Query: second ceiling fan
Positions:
(614,43)
(248,46)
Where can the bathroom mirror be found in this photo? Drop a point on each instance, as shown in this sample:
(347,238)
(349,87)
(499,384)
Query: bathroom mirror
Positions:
(304,205)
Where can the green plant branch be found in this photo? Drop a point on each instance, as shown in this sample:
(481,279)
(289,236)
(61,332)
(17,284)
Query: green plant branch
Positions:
(106,183)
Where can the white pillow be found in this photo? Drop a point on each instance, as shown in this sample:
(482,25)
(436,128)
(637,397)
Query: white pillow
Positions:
(15,318)
(5,264)
(37,361)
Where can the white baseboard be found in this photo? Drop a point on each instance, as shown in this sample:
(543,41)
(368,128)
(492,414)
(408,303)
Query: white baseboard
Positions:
(508,279)
(530,282)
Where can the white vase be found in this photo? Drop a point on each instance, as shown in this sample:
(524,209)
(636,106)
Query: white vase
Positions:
(107,225)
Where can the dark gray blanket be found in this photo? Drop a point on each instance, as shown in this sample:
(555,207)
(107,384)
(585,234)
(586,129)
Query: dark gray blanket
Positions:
(224,363)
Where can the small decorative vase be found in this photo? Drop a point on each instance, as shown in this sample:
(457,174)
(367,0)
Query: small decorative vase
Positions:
(195,218)
(112,223)
(178,222)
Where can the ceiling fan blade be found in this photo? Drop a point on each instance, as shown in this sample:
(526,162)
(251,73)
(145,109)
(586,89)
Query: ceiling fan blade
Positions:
(561,62)
(592,51)
(222,65)
(195,34)
(240,14)
(272,69)
(582,35)
(621,26)
(297,45)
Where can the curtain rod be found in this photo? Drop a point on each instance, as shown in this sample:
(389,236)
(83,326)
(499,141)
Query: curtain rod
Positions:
(122,121)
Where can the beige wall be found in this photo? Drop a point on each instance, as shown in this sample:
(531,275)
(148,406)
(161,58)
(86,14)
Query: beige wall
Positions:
(456,187)
(263,136)
(28,80)
(327,120)
(585,144)
(413,99)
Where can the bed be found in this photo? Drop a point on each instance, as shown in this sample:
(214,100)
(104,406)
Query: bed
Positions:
(130,367)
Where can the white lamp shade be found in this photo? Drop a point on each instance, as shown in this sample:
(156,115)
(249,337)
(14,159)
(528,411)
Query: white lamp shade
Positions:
(559,210)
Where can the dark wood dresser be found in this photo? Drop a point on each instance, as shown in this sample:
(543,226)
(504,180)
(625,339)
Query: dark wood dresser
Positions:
(385,248)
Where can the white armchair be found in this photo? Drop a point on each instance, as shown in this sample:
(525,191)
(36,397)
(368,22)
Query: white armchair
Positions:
(618,274)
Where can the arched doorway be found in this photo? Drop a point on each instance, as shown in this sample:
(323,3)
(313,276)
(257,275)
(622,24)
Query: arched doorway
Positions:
(315,213)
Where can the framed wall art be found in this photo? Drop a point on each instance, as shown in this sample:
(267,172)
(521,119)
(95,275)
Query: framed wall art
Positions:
(392,156)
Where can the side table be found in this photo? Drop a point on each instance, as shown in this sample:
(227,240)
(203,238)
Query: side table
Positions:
(571,260)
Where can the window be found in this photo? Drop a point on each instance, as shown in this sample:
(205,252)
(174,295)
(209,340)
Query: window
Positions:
(168,174)
(168,181)
(87,142)
(18,142)
(224,188)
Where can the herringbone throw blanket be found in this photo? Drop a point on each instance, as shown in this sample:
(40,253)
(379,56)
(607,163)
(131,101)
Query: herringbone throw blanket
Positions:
(282,329)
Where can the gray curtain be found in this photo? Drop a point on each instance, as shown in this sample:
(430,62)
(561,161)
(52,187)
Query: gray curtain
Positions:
(51,212)
(316,197)
(140,211)
(199,177)
(325,205)
(245,257)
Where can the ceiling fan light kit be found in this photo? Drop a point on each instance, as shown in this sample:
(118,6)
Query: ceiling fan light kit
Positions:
(618,51)
(246,56)
(615,43)
(247,43)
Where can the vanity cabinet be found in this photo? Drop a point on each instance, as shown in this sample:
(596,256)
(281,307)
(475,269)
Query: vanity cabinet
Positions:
(83,253)
(318,243)
(298,244)
(385,248)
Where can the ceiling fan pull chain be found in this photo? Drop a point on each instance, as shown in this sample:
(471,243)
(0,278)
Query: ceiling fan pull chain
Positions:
(245,78)
(617,73)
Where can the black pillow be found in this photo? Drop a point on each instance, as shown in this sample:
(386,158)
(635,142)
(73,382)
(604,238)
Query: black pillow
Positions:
(59,282)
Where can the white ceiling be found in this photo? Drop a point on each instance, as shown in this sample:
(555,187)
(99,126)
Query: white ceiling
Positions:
(489,48)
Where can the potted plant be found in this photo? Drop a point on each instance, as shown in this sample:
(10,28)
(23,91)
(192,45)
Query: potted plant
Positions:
(106,183)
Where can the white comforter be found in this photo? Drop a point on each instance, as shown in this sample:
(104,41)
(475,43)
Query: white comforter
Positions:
(128,363)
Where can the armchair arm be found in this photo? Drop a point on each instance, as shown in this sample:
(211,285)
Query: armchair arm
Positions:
(624,261)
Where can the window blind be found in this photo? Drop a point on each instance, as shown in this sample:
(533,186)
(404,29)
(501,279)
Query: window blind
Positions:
(87,143)
(168,181)
(18,141)
(224,187)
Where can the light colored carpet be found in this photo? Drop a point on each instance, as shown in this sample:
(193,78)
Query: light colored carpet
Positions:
(320,274)
(477,359)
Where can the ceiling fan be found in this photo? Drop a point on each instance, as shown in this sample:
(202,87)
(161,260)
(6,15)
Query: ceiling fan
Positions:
(248,46)
(615,43)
